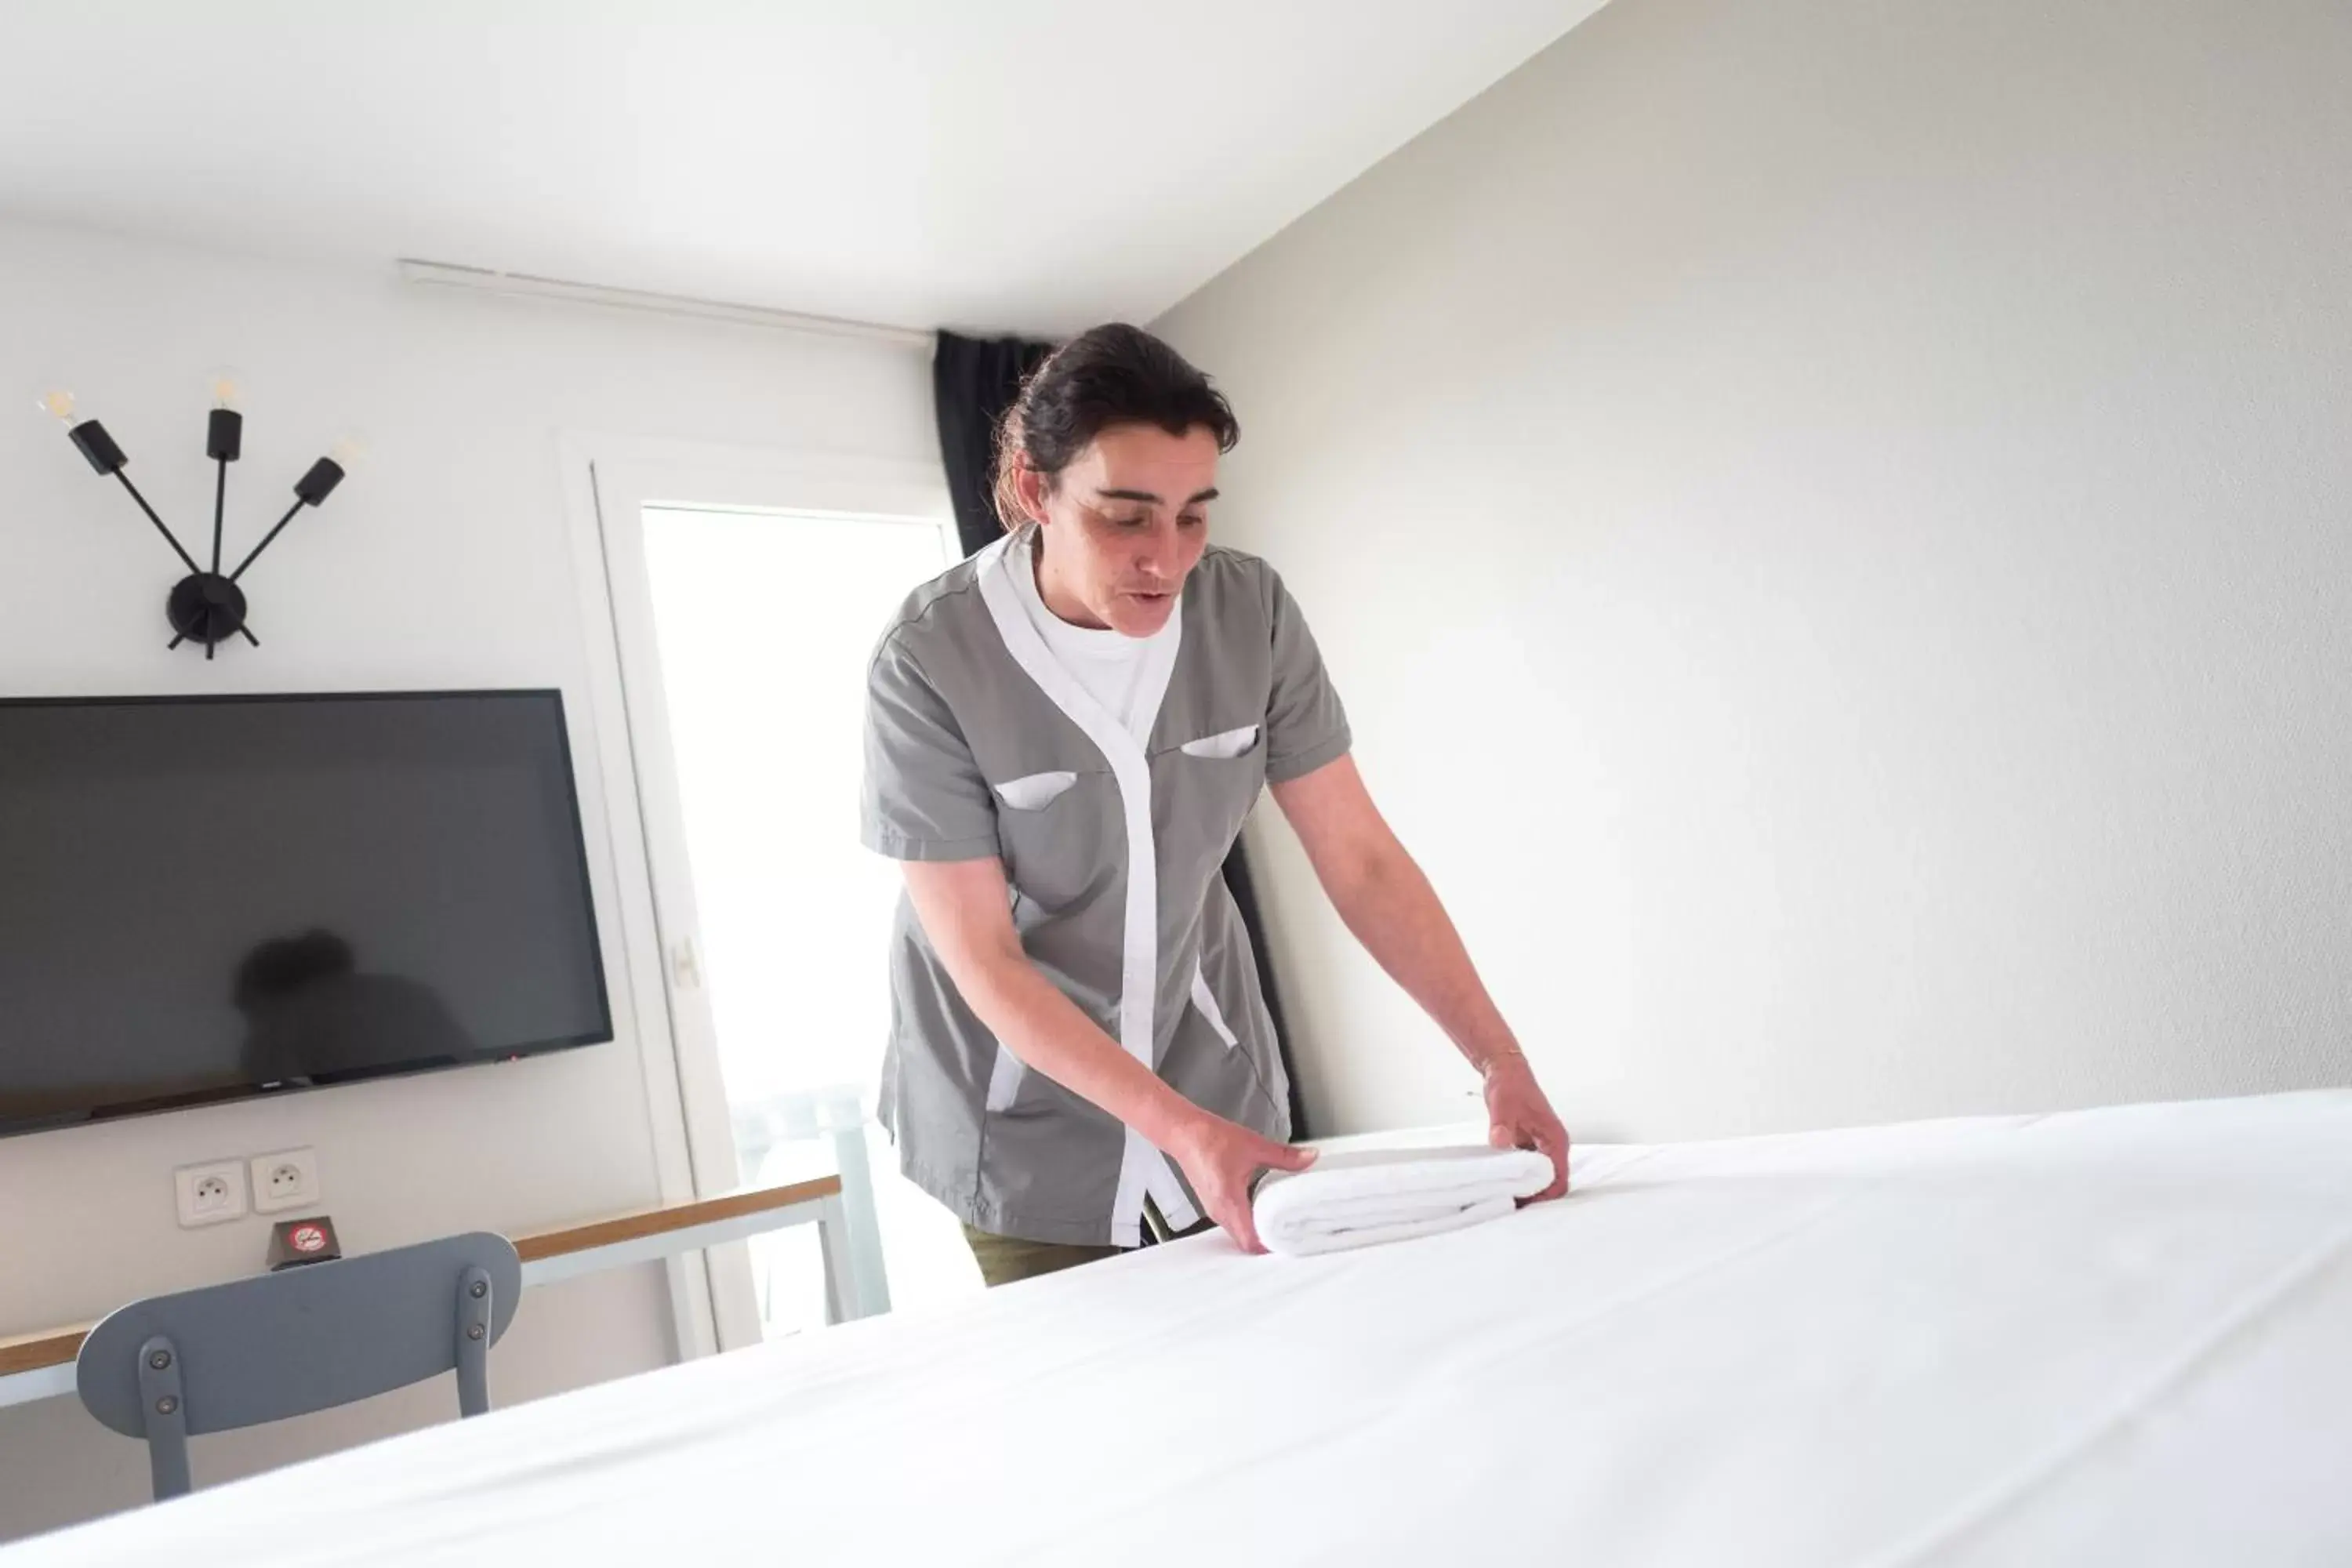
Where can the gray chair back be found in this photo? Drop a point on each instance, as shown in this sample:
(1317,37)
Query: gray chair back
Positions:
(305,1339)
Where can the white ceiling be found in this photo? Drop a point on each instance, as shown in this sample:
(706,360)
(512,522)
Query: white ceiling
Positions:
(1030,165)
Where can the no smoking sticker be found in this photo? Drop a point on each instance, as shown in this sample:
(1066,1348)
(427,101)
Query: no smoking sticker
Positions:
(297,1241)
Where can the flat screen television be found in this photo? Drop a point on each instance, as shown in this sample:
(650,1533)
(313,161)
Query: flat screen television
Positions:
(213,897)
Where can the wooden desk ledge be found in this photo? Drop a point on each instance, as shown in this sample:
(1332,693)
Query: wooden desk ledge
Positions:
(48,1347)
(670,1217)
(55,1347)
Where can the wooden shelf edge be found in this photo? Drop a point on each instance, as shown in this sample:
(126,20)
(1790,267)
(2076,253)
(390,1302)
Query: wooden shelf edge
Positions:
(55,1347)
(675,1216)
(48,1347)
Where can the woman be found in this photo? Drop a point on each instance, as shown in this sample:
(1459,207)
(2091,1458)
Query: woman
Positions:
(1063,735)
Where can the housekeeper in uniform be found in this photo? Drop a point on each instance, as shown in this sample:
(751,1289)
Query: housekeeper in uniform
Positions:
(1064,734)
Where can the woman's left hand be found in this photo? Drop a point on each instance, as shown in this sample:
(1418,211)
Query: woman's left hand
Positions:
(1521,1118)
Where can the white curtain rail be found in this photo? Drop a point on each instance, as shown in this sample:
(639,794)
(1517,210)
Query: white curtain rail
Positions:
(487,281)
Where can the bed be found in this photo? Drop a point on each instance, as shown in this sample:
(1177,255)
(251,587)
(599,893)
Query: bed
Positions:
(2114,1336)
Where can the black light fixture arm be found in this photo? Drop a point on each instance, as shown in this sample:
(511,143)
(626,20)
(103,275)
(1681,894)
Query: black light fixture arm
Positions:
(204,605)
(168,537)
(255,555)
(223,444)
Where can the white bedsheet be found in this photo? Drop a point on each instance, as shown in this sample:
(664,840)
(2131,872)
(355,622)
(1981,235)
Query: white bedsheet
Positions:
(2123,1336)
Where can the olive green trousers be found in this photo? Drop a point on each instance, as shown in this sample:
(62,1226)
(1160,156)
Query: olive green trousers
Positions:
(1006,1259)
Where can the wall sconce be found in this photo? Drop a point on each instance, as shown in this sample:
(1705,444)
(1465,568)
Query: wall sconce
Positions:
(207,606)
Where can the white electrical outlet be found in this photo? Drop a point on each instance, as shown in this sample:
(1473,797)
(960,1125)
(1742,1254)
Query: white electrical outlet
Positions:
(286,1180)
(210,1194)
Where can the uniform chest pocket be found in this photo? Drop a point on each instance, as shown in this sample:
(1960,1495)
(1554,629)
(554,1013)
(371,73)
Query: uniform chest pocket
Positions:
(1061,835)
(1203,791)
(1225,747)
(1036,792)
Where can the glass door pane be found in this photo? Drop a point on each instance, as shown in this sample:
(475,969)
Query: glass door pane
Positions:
(766,622)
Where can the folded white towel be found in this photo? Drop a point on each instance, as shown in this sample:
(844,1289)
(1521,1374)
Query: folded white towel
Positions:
(1368,1195)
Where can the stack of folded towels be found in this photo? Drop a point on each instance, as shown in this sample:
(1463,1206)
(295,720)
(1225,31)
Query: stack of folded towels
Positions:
(1361,1197)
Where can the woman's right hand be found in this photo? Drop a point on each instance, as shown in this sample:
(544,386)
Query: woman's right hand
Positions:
(1221,1159)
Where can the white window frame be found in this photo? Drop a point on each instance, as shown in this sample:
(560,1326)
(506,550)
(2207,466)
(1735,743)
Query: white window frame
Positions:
(608,481)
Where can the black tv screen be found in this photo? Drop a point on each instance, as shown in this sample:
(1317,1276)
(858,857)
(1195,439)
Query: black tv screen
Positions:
(204,897)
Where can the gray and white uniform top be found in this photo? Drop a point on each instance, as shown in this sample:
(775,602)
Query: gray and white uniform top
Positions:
(1113,827)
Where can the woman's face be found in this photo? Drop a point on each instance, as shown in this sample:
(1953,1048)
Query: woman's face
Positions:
(1122,526)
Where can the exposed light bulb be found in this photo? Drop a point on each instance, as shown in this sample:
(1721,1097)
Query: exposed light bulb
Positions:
(350,451)
(228,391)
(58,404)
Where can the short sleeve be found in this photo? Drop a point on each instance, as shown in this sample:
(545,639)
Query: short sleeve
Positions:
(1306,726)
(924,797)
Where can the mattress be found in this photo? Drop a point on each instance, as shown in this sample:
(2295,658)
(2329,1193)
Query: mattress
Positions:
(2114,1336)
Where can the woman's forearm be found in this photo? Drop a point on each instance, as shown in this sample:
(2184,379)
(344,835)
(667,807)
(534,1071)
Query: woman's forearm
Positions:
(1391,908)
(964,912)
(1045,1029)
(1387,901)
(965,909)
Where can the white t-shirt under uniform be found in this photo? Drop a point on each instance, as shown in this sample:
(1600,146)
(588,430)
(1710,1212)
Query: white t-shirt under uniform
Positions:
(1108,664)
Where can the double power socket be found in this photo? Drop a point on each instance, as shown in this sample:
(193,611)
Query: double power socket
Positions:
(217,1189)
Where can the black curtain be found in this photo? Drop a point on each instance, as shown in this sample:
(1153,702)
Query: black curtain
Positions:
(974,382)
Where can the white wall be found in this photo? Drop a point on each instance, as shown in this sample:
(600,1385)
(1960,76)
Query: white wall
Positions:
(445,562)
(1831,521)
